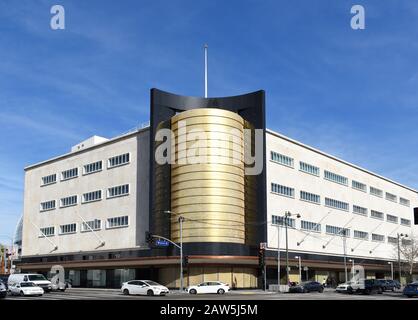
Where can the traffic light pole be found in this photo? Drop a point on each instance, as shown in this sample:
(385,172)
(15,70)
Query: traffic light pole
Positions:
(177,246)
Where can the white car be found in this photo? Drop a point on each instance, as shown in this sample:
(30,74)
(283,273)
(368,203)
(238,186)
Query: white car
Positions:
(144,287)
(209,287)
(26,289)
(38,279)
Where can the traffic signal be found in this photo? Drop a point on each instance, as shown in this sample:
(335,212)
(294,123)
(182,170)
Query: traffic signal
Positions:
(148,237)
(261,258)
(185,261)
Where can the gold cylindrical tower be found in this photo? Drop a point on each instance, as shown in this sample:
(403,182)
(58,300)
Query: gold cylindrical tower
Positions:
(207,178)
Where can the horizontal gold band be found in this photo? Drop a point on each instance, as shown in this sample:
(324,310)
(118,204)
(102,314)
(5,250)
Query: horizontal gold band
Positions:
(207,112)
(207,184)
(206,175)
(178,169)
(211,136)
(194,121)
(208,200)
(206,192)
(234,218)
(209,208)
(209,143)
(208,128)
(211,160)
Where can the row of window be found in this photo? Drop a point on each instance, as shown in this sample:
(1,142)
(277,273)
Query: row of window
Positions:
(112,192)
(333,230)
(334,177)
(87,169)
(88,226)
(335,204)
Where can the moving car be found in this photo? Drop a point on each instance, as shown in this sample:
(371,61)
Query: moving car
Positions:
(307,286)
(209,287)
(3,290)
(38,279)
(389,285)
(144,287)
(411,289)
(366,286)
(26,288)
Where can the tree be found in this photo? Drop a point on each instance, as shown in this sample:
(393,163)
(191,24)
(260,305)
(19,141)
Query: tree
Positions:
(409,253)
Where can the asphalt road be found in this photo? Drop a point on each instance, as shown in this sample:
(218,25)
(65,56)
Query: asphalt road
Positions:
(103,294)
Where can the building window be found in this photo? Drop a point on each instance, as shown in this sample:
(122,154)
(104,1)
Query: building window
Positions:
(404,202)
(377,215)
(405,222)
(359,186)
(118,191)
(47,205)
(338,231)
(391,218)
(276,220)
(117,222)
(335,178)
(69,174)
(68,228)
(332,203)
(393,240)
(391,197)
(360,210)
(91,225)
(93,167)
(310,197)
(282,159)
(47,232)
(282,190)
(376,192)
(361,234)
(49,179)
(68,201)
(92,196)
(310,226)
(308,168)
(378,237)
(406,242)
(118,160)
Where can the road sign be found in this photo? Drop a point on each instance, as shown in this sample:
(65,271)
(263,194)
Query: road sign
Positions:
(162,243)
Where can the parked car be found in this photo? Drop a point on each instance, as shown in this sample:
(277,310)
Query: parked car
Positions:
(366,286)
(411,289)
(3,278)
(26,288)
(3,290)
(307,286)
(38,279)
(389,285)
(144,287)
(209,287)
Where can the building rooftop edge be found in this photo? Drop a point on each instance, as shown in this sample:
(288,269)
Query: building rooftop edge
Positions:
(267,131)
(338,159)
(68,154)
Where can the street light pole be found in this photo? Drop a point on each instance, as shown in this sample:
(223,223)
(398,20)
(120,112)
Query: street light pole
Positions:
(300,268)
(287,248)
(181,219)
(400,235)
(352,268)
(391,268)
(345,256)
(278,257)
(181,253)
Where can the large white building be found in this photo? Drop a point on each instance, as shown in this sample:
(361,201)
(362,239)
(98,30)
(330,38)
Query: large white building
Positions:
(105,184)
(89,210)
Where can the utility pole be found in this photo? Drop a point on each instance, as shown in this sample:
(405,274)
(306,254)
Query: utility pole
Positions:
(181,253)
(345,255)
(278,258)
(400,235)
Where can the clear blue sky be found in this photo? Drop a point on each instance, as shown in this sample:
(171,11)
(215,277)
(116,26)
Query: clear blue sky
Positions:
(353,94)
